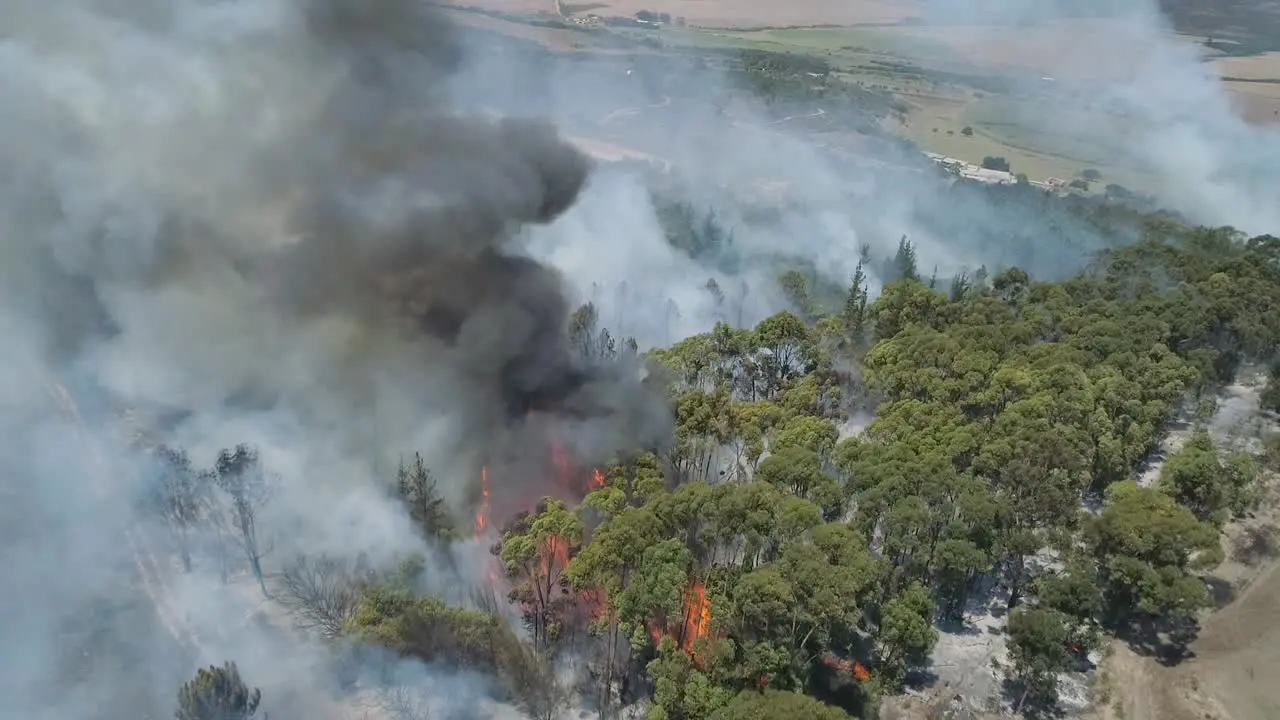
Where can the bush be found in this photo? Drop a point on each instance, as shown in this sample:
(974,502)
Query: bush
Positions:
(995,162)
(217,693)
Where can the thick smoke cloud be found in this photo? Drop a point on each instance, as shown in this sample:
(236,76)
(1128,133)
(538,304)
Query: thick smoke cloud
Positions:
(257,221)
(266,195)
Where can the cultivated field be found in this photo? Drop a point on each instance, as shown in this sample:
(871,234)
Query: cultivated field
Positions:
(548,37)
(767,13)
(725,13)
(1257,102)
(1254,85)
(1255,67)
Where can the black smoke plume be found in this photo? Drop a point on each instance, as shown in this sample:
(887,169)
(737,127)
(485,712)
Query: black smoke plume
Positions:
(328,182)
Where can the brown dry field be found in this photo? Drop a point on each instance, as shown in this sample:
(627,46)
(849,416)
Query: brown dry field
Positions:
(1255,67)
(1258,103)
(1232,676)
(1077,50)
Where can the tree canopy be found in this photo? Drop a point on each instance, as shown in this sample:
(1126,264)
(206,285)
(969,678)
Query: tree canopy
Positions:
(771,560)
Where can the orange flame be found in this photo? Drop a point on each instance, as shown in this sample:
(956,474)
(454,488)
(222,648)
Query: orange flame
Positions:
(695,621)
(597,479)
(855,669)
(482,515)
(697,615)
(555,553)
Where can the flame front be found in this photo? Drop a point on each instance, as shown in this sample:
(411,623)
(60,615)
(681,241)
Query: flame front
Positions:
(597,479)
(697,615)
(695,621)
(482,515)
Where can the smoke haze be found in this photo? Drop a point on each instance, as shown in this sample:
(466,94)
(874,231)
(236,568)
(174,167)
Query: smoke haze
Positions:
(257,221)
(264,221)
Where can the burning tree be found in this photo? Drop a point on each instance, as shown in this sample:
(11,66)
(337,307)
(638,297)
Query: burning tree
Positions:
(535,550)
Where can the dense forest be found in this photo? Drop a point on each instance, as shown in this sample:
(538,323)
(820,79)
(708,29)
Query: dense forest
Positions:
(774,560)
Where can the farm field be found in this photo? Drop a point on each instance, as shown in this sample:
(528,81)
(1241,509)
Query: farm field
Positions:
(726,13)
(549,37)
(1254,85)
(951,77)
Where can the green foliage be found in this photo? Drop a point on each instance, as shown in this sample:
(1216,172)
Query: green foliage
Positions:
(392,614)
(995,162)
(1271,392)
(217,693)
(757,544)
(417,489)
(682,691)
(1147,547)
(904,261)
(534,552)
(904,634)
(1040,644)
(774,704)
(1211,484)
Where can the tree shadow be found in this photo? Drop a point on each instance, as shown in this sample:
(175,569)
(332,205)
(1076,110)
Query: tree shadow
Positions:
(1166,640)
(1028,704)
(920,678)
(1221,592)
(1256,544)
(957,626)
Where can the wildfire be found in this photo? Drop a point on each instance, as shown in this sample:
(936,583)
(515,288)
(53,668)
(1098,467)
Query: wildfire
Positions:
(597,479)
(555,553)
(855,669)
(697,615)
(482,515)
(695,620)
